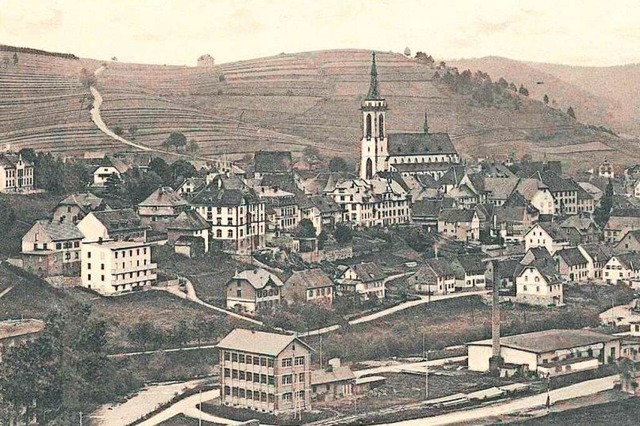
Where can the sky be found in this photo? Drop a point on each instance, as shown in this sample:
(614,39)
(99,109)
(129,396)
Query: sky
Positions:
(177,32)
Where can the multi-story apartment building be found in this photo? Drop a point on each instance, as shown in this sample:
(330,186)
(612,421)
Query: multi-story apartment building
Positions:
(235,212)
(110,267)
(16,174)
(284,214)
(372,202)
(52,248)
(265,371)
(564,191)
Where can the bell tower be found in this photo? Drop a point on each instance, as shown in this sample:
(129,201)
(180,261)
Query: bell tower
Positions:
(373,146)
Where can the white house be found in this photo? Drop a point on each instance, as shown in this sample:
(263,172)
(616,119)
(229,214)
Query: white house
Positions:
(539,284)
(110,267)
(366,279)
(122,224)
(548,235)
(623,269)
(254,290)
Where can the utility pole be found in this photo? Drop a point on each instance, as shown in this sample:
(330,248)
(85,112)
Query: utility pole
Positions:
(200,409)
(425,355)
(80,415)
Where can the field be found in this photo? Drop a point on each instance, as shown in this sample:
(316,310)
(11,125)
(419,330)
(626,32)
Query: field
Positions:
(622,413)
(288,102)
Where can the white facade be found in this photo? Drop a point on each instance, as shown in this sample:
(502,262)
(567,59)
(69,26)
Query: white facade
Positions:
(532,288)
(617,272)
(238,228)
(15,174)
(538,237)
(102,174)
(116,266)
(544,202)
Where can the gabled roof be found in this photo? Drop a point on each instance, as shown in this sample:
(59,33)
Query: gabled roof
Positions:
(528,168)
(546,268)
(60,231)
(598,252)
(285,181)
(164,197)
(452,176)
(10,161)
(273,162)
(259,278)
(309,278)
(395,176)
(420,143)
(556,232)
(196,182)
(516,214)
(426,208)
(258,342)
(629,260)
(85,201)
(456,215)
(572,256)
(325,204)
(500,188)
(471,263)
(223,192)
(434,268)
(529,187)
(536,253)
(368,272)
(118,220)
(555,182)
(579,223)
(189,220)
(506,267)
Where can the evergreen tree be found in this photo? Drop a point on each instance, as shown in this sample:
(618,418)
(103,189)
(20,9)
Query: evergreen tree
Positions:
(571,113)
(546,99)
(603,211)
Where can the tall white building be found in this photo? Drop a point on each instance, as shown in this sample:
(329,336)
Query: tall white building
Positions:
(110,267)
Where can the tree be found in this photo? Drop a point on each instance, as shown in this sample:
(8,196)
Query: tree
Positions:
(181,168)
(192,147)
(425,59)
(176,140)
(343,233)
(113,184)
(523,90)
(338,164)
(133,129)
(161,168)
(118,130)
(305,229)
(546,99)
(322,239)
(571,113)
(603,211)
(8,216)
(87,78)
(15,58)
(28,154)
(407,51)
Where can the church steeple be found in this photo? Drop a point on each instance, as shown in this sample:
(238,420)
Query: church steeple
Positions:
(373,86)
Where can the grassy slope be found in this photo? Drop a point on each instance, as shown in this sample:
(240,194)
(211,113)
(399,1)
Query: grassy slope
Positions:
(621,413)
(293,100)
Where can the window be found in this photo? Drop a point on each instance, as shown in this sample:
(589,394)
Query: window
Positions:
(58,246)
(263,379)
(234,357)
(227,372)
(263,362)
(241,375)
(286,362)
(287,396)
(249,377)
(299,360)
(88,266)
(301,377)
(272,380)
(272,398)
(256,360)
(287,379)
(234,374)
(241,358)
(227,390)
(249,359)
(271,362)
(256,378)
(241,392)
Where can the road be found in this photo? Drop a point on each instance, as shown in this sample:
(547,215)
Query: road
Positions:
(414,366)
(155,351)
(144,402)
(188,407)
(589,387)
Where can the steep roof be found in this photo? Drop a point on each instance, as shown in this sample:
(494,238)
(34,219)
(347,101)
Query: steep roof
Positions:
(506,267)
(11,161)
(550,340)
(325,204)
(60,231)
(577,222)
(554,230)
(309,278)
(529,187)
(259,342)
(434,268)
(189,220)
(86,201)
(471,263)
(528,168)
(426,208)
(555,182)
(368,272)
(456,215)
(420,143)
(629,260)
(546,268)
(164,197)
(508,214)
(453,175)
(500,188)
(284,181)
(572,256)
(273,162)
(259,278)
(598,252)
(118,220)
(223,193)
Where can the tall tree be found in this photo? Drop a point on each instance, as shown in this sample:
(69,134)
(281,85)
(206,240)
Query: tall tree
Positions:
(546,99)
(603,211)
(571,113)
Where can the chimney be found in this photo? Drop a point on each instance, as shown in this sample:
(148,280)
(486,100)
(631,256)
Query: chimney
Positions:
(496,361)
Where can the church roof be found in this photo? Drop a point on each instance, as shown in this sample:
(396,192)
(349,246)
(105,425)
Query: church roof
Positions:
(420,144)
(373,87)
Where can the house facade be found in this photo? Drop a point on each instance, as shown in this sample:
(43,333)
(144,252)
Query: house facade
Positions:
(622,269)
(547,235)
(76,206)
(309,285)
(365,279)
(265,372)
(539,284)
(119,225)
(110,267)
(461,225)
(253,290)
(16,174)
(52,248)
(436,276)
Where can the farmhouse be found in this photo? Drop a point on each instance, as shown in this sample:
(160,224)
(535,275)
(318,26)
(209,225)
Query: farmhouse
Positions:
(547,235)
(52,248)
(621,221)
(189,223)
(462,225)
(309,285)
(163,205)
(552,352)
(538,283)
(265,371)
(622,269)
(436,276)
(336,382)
(630,242)
(572,264)
(365,279)
(76,206)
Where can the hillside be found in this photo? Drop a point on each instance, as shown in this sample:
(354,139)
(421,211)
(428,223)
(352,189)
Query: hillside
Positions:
(600,95)
(287,101)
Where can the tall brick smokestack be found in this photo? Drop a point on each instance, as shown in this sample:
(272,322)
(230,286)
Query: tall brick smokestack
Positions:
(496,361)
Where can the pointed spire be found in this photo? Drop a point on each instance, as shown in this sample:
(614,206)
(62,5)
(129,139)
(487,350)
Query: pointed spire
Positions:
(426,123)
(373,87)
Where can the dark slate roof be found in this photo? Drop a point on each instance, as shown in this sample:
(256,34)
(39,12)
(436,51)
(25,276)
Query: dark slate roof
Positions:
(506,267)
(325,204)
(284,181)
(628,212)
(547,269)
(528,168)
(572,256)
(420,144)
(189,220)
(86,201)
(427,181)
(456,215)
(538,253)
(555,231)
(164,197)
(189,240)
(508,214)
(420,167)
(453,176)
(426,208)
(555,182)
(629,260)
(223,192)
(436,268)
(597,251)
(10,161)
(471,263)
(118,220)
(273,162)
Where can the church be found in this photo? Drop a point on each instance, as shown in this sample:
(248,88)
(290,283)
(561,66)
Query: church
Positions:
(410,154)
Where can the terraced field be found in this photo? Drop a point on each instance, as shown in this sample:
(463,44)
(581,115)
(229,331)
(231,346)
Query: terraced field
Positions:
(287,102)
